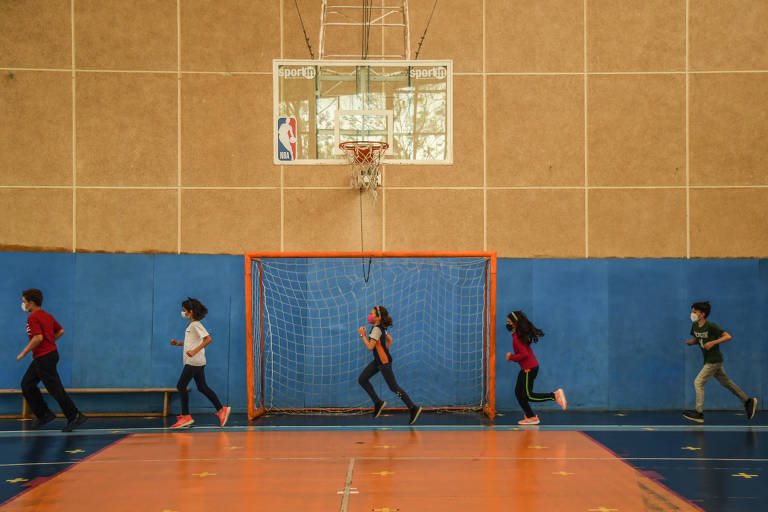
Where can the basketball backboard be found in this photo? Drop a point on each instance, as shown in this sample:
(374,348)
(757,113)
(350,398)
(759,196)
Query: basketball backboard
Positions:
(319,104)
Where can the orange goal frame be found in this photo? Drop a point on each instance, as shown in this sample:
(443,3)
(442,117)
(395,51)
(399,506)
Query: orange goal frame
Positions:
(489,319)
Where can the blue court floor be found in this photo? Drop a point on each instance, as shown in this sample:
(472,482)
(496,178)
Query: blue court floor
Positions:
(718,466)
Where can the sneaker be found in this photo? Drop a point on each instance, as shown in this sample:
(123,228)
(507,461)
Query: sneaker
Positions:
(377,410)
(75,422)
(560,398)
(37,422)
(694,416)
(414,415)
(529,421)
(223,415)
(751,407)
(183,422)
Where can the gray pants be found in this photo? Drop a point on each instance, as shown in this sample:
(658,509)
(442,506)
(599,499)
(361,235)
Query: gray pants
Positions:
(714,370)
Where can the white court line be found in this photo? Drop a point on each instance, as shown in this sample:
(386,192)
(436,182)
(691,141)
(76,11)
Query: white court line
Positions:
(347,484)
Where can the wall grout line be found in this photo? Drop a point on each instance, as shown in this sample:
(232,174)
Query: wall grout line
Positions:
(393,187)
(687,142)
(586,142)
(282,167)
(74,127)
(485,140)
(178,126)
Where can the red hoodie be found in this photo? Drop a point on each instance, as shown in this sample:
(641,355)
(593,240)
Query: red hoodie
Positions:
(523,354)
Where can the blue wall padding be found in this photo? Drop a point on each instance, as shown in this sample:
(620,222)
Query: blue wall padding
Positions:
(615,328)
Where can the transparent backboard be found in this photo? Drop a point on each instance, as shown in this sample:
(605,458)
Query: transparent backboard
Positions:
(319,104)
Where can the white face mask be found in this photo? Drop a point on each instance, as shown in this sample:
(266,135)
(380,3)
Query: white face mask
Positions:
(183,314)
(694,317)
(23,307)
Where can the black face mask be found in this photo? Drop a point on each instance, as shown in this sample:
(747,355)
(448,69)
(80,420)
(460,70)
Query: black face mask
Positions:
(510,328)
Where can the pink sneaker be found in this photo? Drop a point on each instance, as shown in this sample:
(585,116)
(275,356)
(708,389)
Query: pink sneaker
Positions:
(223,415)
(529,421)
(183,422)
(560,398)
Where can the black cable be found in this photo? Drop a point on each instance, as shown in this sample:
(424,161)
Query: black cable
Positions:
(306,37)
(421,41)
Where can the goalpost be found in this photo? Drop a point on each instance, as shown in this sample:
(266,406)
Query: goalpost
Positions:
(303,311)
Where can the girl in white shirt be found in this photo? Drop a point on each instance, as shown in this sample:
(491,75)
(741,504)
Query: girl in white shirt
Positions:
(196,338)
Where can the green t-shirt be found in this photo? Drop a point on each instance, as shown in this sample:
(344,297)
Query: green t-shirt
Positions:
(708,332)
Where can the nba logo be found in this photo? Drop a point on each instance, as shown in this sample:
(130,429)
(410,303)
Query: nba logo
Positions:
(286,139)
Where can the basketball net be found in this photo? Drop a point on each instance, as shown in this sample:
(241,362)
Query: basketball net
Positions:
(364,159)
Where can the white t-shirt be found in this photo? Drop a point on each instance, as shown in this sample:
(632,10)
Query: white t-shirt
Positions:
(193,337)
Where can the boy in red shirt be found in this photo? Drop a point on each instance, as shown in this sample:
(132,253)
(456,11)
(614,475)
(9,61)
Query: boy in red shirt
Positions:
(43,331)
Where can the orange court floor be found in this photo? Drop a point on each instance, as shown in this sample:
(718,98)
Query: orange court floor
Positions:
(367,468)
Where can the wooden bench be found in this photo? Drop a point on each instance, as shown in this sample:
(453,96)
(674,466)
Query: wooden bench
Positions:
(26,413)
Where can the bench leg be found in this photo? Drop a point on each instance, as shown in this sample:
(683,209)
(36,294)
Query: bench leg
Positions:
(24,408)
(166,402)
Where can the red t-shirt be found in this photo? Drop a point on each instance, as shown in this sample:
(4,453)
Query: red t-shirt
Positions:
(523,354)
(41,322)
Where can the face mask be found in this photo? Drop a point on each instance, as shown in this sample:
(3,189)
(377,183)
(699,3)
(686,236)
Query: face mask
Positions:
(23,307)
(371,319)
(184,315)
(510,328)
(694,317)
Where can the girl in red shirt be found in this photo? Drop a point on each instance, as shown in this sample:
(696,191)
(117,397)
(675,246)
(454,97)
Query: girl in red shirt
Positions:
(523,334)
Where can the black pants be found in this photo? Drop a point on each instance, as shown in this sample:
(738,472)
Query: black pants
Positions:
(198,373)
(524,391)
(389,377)
(44,369)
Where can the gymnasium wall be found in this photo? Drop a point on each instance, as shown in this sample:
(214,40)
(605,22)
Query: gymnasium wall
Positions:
(597,128)
(615,329)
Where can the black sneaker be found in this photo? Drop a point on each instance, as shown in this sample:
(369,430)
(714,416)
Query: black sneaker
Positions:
(37,422)
(694,416)
(377,410)
(414,415)
(751,407)
(75,422)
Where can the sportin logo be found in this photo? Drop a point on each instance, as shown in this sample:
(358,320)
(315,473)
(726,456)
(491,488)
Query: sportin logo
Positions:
(307,72)
(435,72)
(286,139)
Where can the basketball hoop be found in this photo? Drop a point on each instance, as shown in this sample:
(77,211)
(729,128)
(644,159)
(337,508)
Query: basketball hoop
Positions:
(364,157)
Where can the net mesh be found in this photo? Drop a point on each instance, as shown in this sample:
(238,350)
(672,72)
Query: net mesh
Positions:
(311,309)
(364,159)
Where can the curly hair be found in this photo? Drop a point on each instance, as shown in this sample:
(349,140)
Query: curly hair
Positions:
(195,307)
(382,313)
(526,331)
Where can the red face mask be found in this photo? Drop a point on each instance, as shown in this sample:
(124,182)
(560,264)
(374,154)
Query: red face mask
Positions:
(371,319)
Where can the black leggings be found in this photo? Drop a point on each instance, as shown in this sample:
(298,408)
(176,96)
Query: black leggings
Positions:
(44,369)
(386,372)
(524,391)
(198,373)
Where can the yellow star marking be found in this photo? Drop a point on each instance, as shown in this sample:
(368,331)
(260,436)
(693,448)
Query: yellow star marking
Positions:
(75,451)
(384,428)
(234,447)
(169,510)
(115,431)
(620,414)
(384,473)
(386,509)
(149,417)
(691,448)
(603,509)
(203,474)
(538,447)
(562,473)
(649,429)
(385,446)
(745,475)
(17,480)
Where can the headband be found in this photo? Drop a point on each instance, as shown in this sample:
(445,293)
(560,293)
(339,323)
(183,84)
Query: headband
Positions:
(514,316)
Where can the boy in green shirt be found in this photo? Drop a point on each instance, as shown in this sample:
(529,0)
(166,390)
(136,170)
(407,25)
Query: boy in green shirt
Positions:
(708,336)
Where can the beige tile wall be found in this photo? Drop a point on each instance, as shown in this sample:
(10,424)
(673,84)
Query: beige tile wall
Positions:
(593,128)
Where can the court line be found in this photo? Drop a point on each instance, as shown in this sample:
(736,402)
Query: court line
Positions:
(347,484)
(395,428)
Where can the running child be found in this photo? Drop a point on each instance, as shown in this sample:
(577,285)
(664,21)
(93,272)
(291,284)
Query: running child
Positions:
(708,335)
(43,331)
(379,341)
(196,338)
(523,334)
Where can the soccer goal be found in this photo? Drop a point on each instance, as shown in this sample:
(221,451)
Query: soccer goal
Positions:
(303,311)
